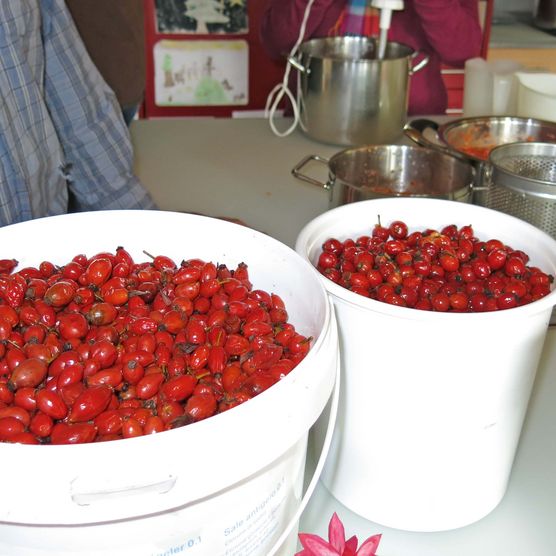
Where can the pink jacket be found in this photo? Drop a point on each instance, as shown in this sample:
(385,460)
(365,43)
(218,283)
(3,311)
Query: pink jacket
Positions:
(447,30)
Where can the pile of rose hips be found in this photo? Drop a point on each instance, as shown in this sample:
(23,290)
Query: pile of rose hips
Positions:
(105,348)
(446,270)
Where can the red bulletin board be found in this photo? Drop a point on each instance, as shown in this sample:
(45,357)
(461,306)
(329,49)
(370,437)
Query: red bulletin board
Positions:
(263,72)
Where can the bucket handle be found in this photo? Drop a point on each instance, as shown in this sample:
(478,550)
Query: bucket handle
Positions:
(419,65)
(296,171)
(318,468)
(85,498)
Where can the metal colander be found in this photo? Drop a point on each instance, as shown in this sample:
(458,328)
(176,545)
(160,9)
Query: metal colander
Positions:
(522,183)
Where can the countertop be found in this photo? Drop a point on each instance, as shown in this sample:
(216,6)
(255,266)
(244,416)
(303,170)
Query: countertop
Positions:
(520,35)
(233,168)
(516,30)
(239,169)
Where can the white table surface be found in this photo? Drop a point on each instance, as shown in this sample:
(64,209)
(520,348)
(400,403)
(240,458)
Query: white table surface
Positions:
(234,168)
(239,169)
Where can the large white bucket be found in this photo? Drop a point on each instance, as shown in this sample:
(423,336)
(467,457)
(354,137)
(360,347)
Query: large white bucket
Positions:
(229,485)
(432,404)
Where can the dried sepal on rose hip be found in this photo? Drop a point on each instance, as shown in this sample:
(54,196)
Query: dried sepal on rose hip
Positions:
(447,270)
(337,545)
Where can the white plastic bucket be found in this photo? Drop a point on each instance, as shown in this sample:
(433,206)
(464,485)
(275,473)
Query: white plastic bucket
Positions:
(536,95)
(432,404)
(490,88)
(229,485)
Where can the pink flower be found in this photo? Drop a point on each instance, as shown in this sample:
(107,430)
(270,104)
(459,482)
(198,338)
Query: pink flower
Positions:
(337,545)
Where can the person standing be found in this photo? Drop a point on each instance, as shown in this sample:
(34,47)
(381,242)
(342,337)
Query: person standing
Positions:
(447,31)
(114,34)
(64,145)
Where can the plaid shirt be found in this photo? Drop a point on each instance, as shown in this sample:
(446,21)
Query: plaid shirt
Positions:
(61,128)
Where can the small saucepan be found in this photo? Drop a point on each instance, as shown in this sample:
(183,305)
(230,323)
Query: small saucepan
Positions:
(376,171)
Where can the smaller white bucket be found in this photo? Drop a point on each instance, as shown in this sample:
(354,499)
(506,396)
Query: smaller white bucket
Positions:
(231,485)
(432,403)
(536,95)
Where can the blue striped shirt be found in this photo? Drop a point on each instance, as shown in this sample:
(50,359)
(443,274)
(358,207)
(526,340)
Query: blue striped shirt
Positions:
(61,128)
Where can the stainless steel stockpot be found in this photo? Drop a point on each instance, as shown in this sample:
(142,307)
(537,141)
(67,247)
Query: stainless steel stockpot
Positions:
(347,96)
(376,171)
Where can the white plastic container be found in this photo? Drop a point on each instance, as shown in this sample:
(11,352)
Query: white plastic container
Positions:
(229,485)
(490,88)
(432,403)
(477,90)
(536,95)
(504,87)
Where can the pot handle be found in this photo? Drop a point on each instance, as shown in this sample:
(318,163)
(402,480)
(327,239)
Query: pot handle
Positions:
(293,61)
(296,171)
(415,130)
(419,65)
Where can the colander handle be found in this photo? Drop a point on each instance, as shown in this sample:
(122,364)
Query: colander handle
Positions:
(296,171)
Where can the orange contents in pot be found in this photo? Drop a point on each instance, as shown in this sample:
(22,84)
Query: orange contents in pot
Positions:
(477,152)
(483,152)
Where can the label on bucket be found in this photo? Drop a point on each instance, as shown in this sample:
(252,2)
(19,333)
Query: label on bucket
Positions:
(190,545)
(259,524)
(246,529)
